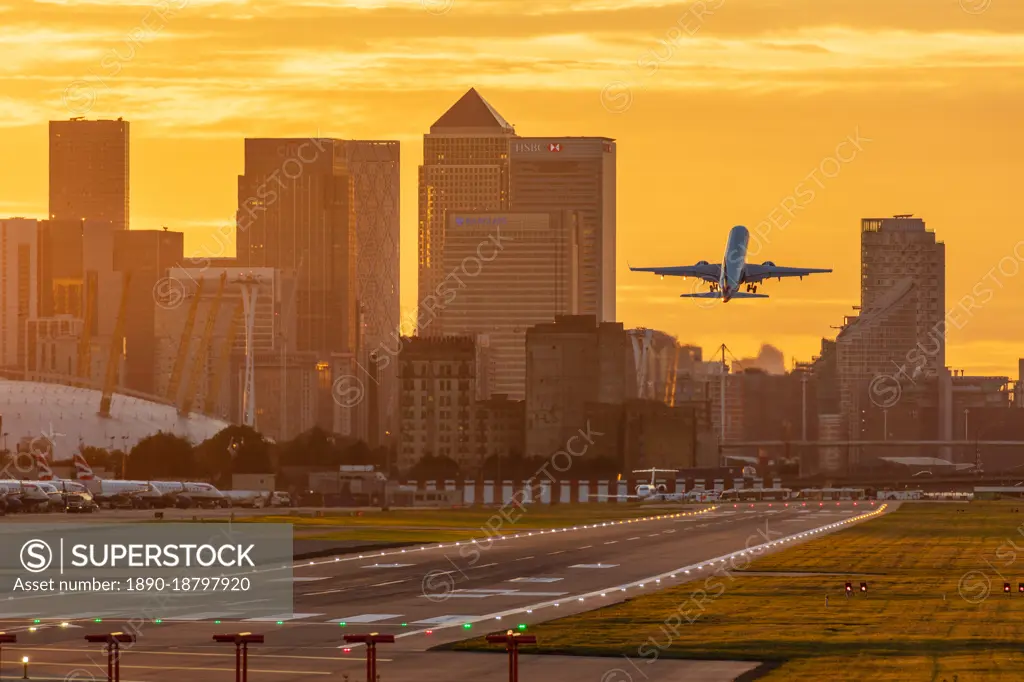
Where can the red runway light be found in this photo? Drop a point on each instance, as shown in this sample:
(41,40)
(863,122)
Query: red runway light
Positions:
(347,651)
(430,632)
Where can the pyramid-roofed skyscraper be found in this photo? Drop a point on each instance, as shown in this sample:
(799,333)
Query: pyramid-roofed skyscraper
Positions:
(465,168)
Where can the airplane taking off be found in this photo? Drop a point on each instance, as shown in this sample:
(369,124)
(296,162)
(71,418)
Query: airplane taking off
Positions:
(726,279)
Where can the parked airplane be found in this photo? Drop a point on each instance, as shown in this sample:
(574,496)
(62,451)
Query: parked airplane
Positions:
(64,485)
(649,492)
(111,492)
(152,493)
(31,495)
(725,279)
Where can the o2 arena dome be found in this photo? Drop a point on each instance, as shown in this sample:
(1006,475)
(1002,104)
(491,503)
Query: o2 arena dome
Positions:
(69,417)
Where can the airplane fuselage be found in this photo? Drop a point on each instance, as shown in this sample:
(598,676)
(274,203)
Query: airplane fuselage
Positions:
(732,264)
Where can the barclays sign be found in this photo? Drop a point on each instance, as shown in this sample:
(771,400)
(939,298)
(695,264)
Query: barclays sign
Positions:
(482,220)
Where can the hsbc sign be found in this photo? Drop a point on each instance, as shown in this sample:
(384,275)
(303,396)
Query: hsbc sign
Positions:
(520,147)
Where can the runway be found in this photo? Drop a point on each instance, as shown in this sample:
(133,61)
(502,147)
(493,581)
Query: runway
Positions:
(432,595)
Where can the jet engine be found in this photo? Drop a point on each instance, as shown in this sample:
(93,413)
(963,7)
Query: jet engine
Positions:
(768,264)
(702,262)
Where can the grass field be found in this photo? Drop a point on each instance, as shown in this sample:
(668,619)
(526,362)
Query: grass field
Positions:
(934,610)
(445,525)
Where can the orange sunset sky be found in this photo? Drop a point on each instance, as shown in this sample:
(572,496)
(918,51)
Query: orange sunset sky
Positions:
(720,110)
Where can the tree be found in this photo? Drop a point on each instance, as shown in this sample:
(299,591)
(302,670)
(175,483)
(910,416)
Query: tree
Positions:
(162,455)
(98,457)
(315,447)
(234,450)
(431,468)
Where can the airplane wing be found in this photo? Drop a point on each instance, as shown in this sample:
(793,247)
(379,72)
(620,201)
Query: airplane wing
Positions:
(753,274)
(702,270)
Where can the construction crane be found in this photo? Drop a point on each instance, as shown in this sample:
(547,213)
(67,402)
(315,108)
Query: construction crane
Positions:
(116,349)
(85,340)
(174,384)
(223,363)
(199,366)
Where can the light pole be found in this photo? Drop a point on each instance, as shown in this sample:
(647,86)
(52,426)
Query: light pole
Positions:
(967,412)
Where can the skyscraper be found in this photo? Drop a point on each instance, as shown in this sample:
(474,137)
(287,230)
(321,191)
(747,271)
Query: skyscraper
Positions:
(527,277)
(465,168)
(375,170)
(19,289)
(899,248)
(89,171)
(296,212)
(148,255)
(577,174)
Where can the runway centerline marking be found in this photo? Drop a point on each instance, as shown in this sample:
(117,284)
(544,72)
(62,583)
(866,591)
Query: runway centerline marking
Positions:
(524,558)
(561,551)
(474,568)
(636,538)
(611,542)
(390,582)
(586,546)
(313,594)
(389,565)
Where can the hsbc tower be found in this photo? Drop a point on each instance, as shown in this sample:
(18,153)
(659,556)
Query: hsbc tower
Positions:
(573,174)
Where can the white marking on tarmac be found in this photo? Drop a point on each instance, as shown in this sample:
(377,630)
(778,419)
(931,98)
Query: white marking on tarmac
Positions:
(388,565)
(586,546)
(366,618)
(203,616)
(390,582)
(611,542)
(594,566)
(282,617)
(313,594)
(524,558)
(441,620)
(561,551)
(533,580)
(636,538)
(484,566)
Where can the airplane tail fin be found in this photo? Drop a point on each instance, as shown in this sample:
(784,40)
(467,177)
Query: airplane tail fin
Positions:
(718,294)
(82,469)
(42,467)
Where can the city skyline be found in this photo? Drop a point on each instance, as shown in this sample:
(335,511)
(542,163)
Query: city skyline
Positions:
(737,155)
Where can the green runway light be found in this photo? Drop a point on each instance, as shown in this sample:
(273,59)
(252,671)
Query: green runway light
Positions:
(36,621)
(158,621)
(280,622)
(216,622)
(467,626)
(342,624)
(522,626)
(98,620)
(404,624)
